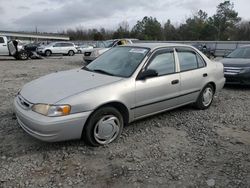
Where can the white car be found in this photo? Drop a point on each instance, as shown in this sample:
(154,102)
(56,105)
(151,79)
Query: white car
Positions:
(90,55)
(82,48)
(66,48)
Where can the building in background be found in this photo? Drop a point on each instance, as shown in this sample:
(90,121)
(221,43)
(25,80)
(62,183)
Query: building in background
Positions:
(33,37)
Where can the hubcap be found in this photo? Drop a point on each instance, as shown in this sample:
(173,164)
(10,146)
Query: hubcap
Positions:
(207,96)
(107,129)
(23,56)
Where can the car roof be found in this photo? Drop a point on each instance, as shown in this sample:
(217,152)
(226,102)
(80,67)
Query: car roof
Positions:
(153,45)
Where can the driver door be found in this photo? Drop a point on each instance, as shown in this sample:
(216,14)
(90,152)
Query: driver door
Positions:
(158,93)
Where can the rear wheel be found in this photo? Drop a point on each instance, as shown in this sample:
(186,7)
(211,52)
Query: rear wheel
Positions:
(71,53)
(205,98)
(48,53)
(103,127)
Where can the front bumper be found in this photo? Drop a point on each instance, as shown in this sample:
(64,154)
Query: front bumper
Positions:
(50,129)
(241,78)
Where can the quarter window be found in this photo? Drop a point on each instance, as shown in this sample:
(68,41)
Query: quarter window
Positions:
(201,62)
(163,63)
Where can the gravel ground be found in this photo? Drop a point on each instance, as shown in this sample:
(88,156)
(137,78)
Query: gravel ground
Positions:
(180,148)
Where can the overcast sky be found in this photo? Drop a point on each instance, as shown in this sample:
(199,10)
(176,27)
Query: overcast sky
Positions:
(58,15)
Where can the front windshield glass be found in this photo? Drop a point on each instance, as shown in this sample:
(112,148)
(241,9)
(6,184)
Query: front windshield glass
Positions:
(118,61)
(240,53)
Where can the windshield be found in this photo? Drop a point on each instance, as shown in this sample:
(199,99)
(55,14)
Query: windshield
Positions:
(118,61)
(240,53)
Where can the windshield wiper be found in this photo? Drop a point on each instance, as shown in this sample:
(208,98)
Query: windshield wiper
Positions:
(102,72)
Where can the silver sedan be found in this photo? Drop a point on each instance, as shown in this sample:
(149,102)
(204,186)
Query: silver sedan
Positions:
(124,84)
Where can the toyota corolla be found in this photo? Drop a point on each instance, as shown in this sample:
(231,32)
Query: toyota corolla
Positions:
(125,84)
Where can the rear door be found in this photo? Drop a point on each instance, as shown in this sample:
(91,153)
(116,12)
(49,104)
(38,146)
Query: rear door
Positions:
(193,74)
(3,47)
(158,93)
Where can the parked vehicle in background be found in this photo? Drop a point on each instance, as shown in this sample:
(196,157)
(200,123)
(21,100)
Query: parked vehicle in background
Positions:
(90,55)
(84,47)
(12,48)
(65,48)
(210,53)
(237,66)
(124,84)
(3,46)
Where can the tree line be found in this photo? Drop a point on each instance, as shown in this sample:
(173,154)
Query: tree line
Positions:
(225,24)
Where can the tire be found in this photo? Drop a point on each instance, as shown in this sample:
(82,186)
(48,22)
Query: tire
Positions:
(48,53)
(79,51)
(205,98)
(71,53)
(97,124)
(23,55)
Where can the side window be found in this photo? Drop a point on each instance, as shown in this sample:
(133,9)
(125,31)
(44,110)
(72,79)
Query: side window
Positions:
(163,63)
(188,60)
(1,40)
(57,45)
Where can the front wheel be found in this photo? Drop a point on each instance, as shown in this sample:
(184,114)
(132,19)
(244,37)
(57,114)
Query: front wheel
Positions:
(103,127)
(23,55)
(205,98)
(48,53)
(71,53)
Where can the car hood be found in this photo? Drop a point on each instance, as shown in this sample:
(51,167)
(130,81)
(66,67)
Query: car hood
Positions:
(57,86)
(235,62)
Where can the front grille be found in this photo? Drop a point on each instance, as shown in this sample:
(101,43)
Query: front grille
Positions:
(232,70)
(87,53)
(23,103)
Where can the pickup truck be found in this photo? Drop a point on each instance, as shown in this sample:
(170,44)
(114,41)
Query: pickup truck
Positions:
(11,48)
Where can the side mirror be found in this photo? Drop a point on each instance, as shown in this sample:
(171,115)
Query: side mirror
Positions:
(149,73)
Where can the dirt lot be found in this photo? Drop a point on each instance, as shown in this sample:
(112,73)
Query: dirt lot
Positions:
(181,148)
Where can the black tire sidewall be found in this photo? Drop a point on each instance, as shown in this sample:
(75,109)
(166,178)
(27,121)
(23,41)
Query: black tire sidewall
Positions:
(46,53)
(199,103)
(88,131)
(71,53)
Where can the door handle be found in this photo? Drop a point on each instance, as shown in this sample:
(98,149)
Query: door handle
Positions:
(205,75)
(175,82)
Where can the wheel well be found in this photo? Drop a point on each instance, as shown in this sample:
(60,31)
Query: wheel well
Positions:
(121,108)
(213,84)
(48,50)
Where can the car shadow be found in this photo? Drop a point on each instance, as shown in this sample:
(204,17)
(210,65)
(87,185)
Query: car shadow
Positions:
(8,59)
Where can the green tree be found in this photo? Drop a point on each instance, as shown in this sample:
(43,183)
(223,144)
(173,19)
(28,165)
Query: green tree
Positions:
(225,20)
(169,32)
(147,29)
(194,27)
(122,31)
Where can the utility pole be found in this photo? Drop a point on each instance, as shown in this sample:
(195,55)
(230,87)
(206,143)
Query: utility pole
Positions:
(36,33)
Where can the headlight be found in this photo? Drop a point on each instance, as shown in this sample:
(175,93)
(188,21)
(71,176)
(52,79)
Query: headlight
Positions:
(52,110)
